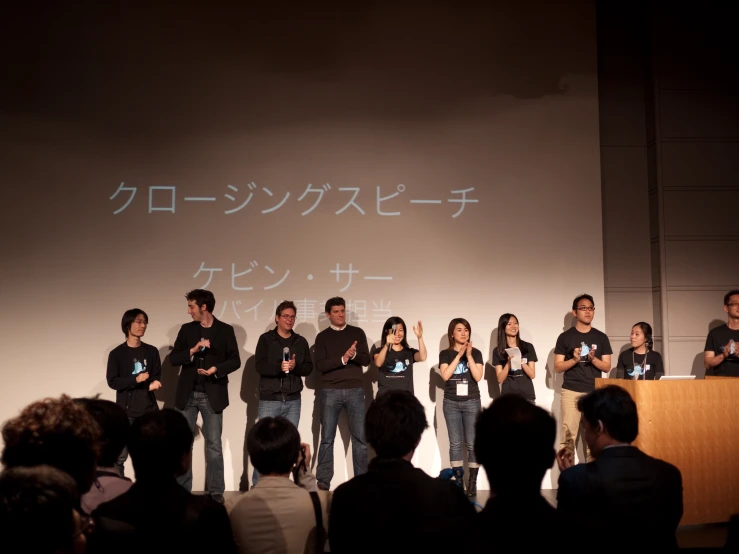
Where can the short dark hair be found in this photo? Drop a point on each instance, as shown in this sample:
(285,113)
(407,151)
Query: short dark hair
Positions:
(114,425)
(394,423)
(728,296)
(202,297)
(37,504)
(273,445)
(159,440)
(129,316)
(521,429)
(284,305)
(577,299)
(55,431)
(615,408)
(335,301)
(647,330)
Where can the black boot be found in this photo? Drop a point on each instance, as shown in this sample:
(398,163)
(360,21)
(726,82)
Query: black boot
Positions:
(458,473)
(472,484)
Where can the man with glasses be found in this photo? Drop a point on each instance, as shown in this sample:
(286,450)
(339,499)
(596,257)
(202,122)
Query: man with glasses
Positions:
(721,356)
(282,360)
(582,353)
(134,370)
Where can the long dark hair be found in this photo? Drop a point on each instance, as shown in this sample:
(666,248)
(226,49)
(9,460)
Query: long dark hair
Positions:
(647,330)
(388,327)
(502,339)
(452,324)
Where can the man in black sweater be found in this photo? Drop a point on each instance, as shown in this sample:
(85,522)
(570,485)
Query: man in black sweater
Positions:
(282,360)
(134,370)
(396,507)
(340,353)
(207,351)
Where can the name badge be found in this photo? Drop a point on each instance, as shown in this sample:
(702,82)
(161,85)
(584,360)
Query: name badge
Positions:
(462,389)
(647,368)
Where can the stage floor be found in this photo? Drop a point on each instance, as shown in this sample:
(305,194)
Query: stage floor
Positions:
(688,536)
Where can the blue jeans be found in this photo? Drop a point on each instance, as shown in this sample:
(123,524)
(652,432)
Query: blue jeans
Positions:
(212,428)
(460,422)
(275,408)
(332,402)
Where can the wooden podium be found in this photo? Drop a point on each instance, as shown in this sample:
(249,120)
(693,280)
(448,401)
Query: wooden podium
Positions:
(694,425)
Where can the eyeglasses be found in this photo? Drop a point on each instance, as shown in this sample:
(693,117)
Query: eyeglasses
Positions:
(586,308)
(141,322)
(732,304)
(288,317)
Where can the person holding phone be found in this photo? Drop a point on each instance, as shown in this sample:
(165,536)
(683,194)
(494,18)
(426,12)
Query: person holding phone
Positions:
(520,379)
(461,367)
(394,359)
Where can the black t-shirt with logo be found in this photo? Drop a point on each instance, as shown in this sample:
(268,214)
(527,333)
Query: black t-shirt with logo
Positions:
(581,377)
(639,367)
(397,371)
(461,375)
(517,381)
(715,342)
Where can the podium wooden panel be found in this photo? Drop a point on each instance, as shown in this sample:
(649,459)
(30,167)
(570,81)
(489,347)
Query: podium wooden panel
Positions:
(694,425)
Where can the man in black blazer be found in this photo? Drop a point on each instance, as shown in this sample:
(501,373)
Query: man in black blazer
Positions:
(156,514)
(207,351)
(636,500)
(395,507)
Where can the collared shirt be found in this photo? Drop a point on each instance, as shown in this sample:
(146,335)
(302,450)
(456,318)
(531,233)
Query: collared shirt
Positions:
(277,516)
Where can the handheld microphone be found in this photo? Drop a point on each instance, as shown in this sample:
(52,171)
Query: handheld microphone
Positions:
(395,326)
(286,354)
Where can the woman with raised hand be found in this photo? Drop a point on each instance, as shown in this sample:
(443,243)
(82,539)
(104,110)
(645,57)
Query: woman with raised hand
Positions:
(394,359)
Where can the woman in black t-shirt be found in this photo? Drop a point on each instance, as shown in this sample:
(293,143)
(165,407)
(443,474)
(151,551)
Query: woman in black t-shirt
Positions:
(514,381)
(640,362)
(394,359)
(461,367)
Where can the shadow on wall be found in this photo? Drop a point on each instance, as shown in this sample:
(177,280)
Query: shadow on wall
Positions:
(436,394)
(698,369)
(248,392)
(553,382)
(490,375)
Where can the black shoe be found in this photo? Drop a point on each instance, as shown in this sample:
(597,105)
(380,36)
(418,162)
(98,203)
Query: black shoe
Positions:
(458,476)
(472,483)
(218,498)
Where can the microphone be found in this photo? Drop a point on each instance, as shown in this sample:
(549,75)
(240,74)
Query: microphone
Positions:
(286,354)
(395,326)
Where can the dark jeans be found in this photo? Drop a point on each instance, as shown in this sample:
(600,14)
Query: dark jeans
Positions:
(212,428)
(275,408)
(123,456)
(460,419)
(332,402)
